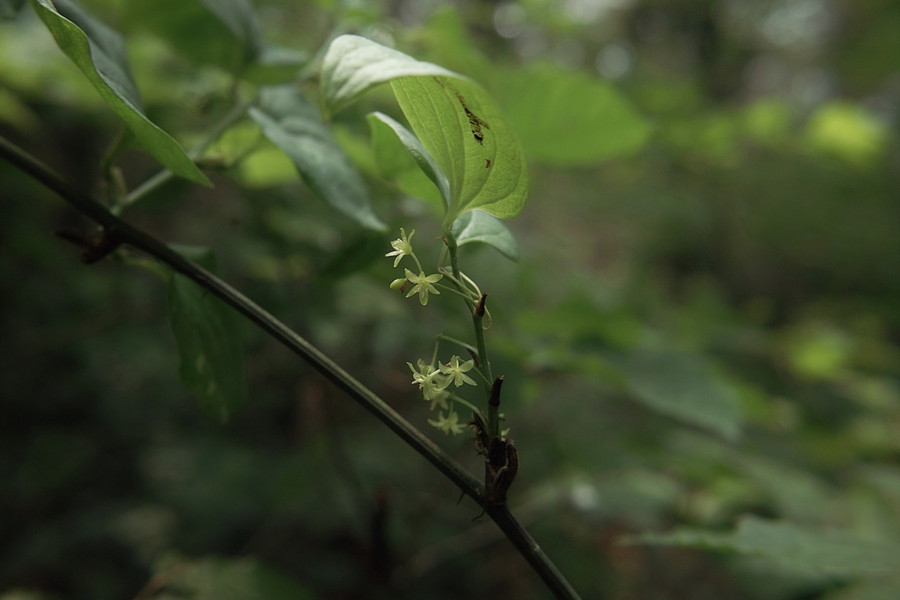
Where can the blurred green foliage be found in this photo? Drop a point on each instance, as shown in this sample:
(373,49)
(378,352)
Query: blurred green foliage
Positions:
(700,339)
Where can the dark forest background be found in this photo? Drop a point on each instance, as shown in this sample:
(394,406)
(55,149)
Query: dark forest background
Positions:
(701,335)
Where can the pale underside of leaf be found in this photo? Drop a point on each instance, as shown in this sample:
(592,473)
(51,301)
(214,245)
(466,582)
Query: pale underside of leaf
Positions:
(401,156)
(479,226)
(354,64)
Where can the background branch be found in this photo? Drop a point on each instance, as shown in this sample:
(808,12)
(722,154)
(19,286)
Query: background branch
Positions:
(123,232)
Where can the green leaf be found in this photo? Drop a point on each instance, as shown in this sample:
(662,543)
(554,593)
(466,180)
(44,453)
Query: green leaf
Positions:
(354,255)
(400,157)
(479,226)
(354,64)
(454,118)
(684,387)
(100,54)
(274,65)
(10,8)
(293,124)
(210,345)
(463,130)
(874,588)
(223,33)
(230,579)
(793,547)
(566,118)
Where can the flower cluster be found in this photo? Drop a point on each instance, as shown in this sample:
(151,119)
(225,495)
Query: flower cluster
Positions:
(434,383)
(422,284)
(438,382)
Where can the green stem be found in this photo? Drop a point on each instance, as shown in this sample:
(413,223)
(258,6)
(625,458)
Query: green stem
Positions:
(453,290)
(230,118)
(484,363)
(127,233)
(464,402)
(477,322)
(460,343)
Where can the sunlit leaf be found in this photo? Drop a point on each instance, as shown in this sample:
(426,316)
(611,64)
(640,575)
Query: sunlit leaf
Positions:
(100,54)
(210,345)
(454,118)
(267,167)
(566,117)
(463,130)
(293,124)
(400,157)
(684,387)
(479,226)
(847,132)
(790,546)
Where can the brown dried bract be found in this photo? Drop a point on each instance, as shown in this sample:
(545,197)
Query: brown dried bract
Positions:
(501,462)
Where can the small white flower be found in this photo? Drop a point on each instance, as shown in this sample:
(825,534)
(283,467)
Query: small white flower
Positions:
(448,423)
(422,285)
(402,246)
(456,372)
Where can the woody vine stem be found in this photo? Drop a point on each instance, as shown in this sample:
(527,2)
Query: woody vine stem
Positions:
(117,232)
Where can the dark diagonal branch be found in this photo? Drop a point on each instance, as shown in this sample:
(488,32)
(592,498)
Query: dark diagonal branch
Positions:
(123,232)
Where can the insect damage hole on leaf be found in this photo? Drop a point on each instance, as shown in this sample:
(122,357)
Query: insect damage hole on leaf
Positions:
(476,123)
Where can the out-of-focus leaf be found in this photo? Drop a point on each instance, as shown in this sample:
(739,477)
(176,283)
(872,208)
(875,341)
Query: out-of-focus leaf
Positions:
(354,64)
(293,124)
(400,157)
(100,54)
(684,387)
(231,579)
(267,167)
(455,119)
(847,132)
(874,588)
(355,255)
(275,64)
(448,40)
(568,118)
(479,226)
(210,345)
(10,8)
(224,33)
(790,546)
(767,121)
(792,490)
(16,113)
